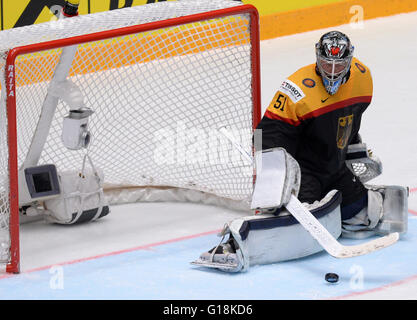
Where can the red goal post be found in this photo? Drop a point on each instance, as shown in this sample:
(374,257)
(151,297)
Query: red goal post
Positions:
(11,82)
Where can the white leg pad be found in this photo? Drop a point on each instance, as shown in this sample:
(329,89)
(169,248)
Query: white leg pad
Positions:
(395,209)
(267,238)
(386,212)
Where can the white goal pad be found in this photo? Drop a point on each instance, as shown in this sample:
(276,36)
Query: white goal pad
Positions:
(270,238)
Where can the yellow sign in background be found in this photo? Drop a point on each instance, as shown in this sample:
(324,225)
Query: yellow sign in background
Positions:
(24,12)
(272,6)
(277,18)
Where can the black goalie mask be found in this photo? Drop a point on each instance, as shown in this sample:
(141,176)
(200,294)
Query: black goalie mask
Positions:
(334,53)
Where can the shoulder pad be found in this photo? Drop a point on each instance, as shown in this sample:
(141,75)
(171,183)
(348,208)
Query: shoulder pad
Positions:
(359,67)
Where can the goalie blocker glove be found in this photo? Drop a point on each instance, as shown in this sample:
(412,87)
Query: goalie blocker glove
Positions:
(278,176)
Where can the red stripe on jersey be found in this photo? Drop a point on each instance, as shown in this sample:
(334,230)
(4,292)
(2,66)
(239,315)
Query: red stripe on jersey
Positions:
(321,111)
(337,105)
(274,116)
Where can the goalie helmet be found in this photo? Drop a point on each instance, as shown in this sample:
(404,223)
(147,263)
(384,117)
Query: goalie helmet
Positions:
(334,53)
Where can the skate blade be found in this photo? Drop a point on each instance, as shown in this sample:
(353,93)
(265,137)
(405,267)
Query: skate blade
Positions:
(222,266)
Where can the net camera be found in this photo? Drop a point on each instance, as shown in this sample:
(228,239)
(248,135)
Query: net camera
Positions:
(75,133)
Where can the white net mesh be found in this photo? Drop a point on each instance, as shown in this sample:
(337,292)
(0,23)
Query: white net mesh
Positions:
(158,99)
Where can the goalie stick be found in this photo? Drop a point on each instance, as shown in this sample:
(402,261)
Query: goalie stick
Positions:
(315,228)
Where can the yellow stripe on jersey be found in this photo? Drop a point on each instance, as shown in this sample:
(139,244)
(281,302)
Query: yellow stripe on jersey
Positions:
(313,99)
(282,108)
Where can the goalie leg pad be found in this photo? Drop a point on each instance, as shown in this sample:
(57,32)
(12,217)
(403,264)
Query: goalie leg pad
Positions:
(395,209)
(386,212)
(267,238)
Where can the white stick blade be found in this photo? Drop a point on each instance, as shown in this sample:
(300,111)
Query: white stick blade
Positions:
(368,247)
(328,242)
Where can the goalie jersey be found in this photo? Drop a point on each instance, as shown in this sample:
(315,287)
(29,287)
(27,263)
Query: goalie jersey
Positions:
(313,126)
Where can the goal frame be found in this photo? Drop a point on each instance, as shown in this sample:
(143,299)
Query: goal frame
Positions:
(13,266)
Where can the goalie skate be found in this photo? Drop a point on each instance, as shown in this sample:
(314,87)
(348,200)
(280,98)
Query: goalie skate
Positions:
(223,257)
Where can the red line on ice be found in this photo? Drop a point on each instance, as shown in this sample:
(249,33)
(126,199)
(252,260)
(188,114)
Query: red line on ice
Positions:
(413,212)
(143,247)
(148,246)
(387,286)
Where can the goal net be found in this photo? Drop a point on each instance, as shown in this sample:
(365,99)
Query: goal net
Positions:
(161,79)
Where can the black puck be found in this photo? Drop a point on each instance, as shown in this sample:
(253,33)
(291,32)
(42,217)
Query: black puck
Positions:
(332,277)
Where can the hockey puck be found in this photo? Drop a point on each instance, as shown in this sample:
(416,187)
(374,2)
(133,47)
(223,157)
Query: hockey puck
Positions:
(332,277)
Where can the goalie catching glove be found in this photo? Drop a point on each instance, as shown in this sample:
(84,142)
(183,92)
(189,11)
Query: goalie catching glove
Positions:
(362,162)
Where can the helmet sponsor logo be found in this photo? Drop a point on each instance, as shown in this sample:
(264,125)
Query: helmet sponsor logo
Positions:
(292,91)
(344,130)
(360,67)
(309,83)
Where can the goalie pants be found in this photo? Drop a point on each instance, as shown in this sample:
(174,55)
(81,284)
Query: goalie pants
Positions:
(354,194)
